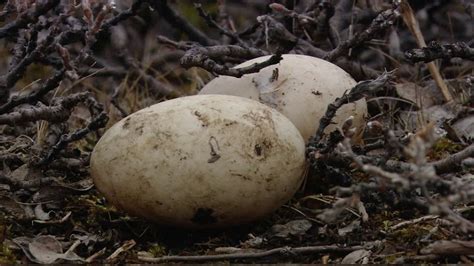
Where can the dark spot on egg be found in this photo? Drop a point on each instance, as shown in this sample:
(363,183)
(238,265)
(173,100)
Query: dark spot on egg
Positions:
(258,150)
(204,216)
(126,123)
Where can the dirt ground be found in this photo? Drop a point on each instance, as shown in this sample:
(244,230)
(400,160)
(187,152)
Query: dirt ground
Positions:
(402,193)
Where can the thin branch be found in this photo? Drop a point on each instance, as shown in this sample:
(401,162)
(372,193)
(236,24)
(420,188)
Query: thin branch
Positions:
(152,83)
(212,23)
(97,121)
(34,96)
(253,255)
(412,23)
(443,166)
(27,184)
(180,23)
(179,45)
(16,72)
(383,21)
(426,218)
(362,89)
(132,11)
(277,32)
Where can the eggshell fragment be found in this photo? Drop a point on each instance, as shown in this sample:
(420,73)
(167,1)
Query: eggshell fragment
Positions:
(200,161)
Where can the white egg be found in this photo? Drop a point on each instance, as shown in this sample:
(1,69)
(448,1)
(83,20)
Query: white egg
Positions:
(201,161)
(300,87)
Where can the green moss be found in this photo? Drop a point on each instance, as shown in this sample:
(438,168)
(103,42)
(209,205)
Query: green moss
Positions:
(6,255)
(390,259)
(442,148)
(411,234)
(157,250)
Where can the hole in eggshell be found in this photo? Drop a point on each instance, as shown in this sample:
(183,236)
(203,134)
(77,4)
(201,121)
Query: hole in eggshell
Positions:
(258,149)
(204,216)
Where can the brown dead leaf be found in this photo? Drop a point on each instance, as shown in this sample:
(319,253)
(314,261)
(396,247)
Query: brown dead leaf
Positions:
(423,97)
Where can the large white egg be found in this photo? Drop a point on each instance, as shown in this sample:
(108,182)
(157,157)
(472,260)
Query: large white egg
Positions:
(300,87)
(200,161)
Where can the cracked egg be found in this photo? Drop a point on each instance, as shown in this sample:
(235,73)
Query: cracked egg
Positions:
(300,87)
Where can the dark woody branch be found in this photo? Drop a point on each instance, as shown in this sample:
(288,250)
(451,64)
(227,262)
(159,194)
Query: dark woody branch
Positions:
(440,51)
(59,112)
(276,32)
(180,23)
(16,72)
(99,119)
(205,57)
(362,89)
(443,166)
(34,96)
(132,11)
(29,16)
(212,23)
(281,35)
(383,21)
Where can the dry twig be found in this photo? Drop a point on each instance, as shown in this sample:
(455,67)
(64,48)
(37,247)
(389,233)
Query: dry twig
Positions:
(362,89)
(412,23)
(253,254)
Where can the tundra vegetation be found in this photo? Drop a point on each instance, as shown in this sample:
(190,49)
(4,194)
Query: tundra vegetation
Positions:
(402,193)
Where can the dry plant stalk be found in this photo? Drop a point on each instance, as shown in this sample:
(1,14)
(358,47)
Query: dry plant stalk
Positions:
(411,22)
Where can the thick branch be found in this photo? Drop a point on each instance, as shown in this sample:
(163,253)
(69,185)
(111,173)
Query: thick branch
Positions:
(212,23)
(204,57)
(437,51)
(56,113)
(452,162)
